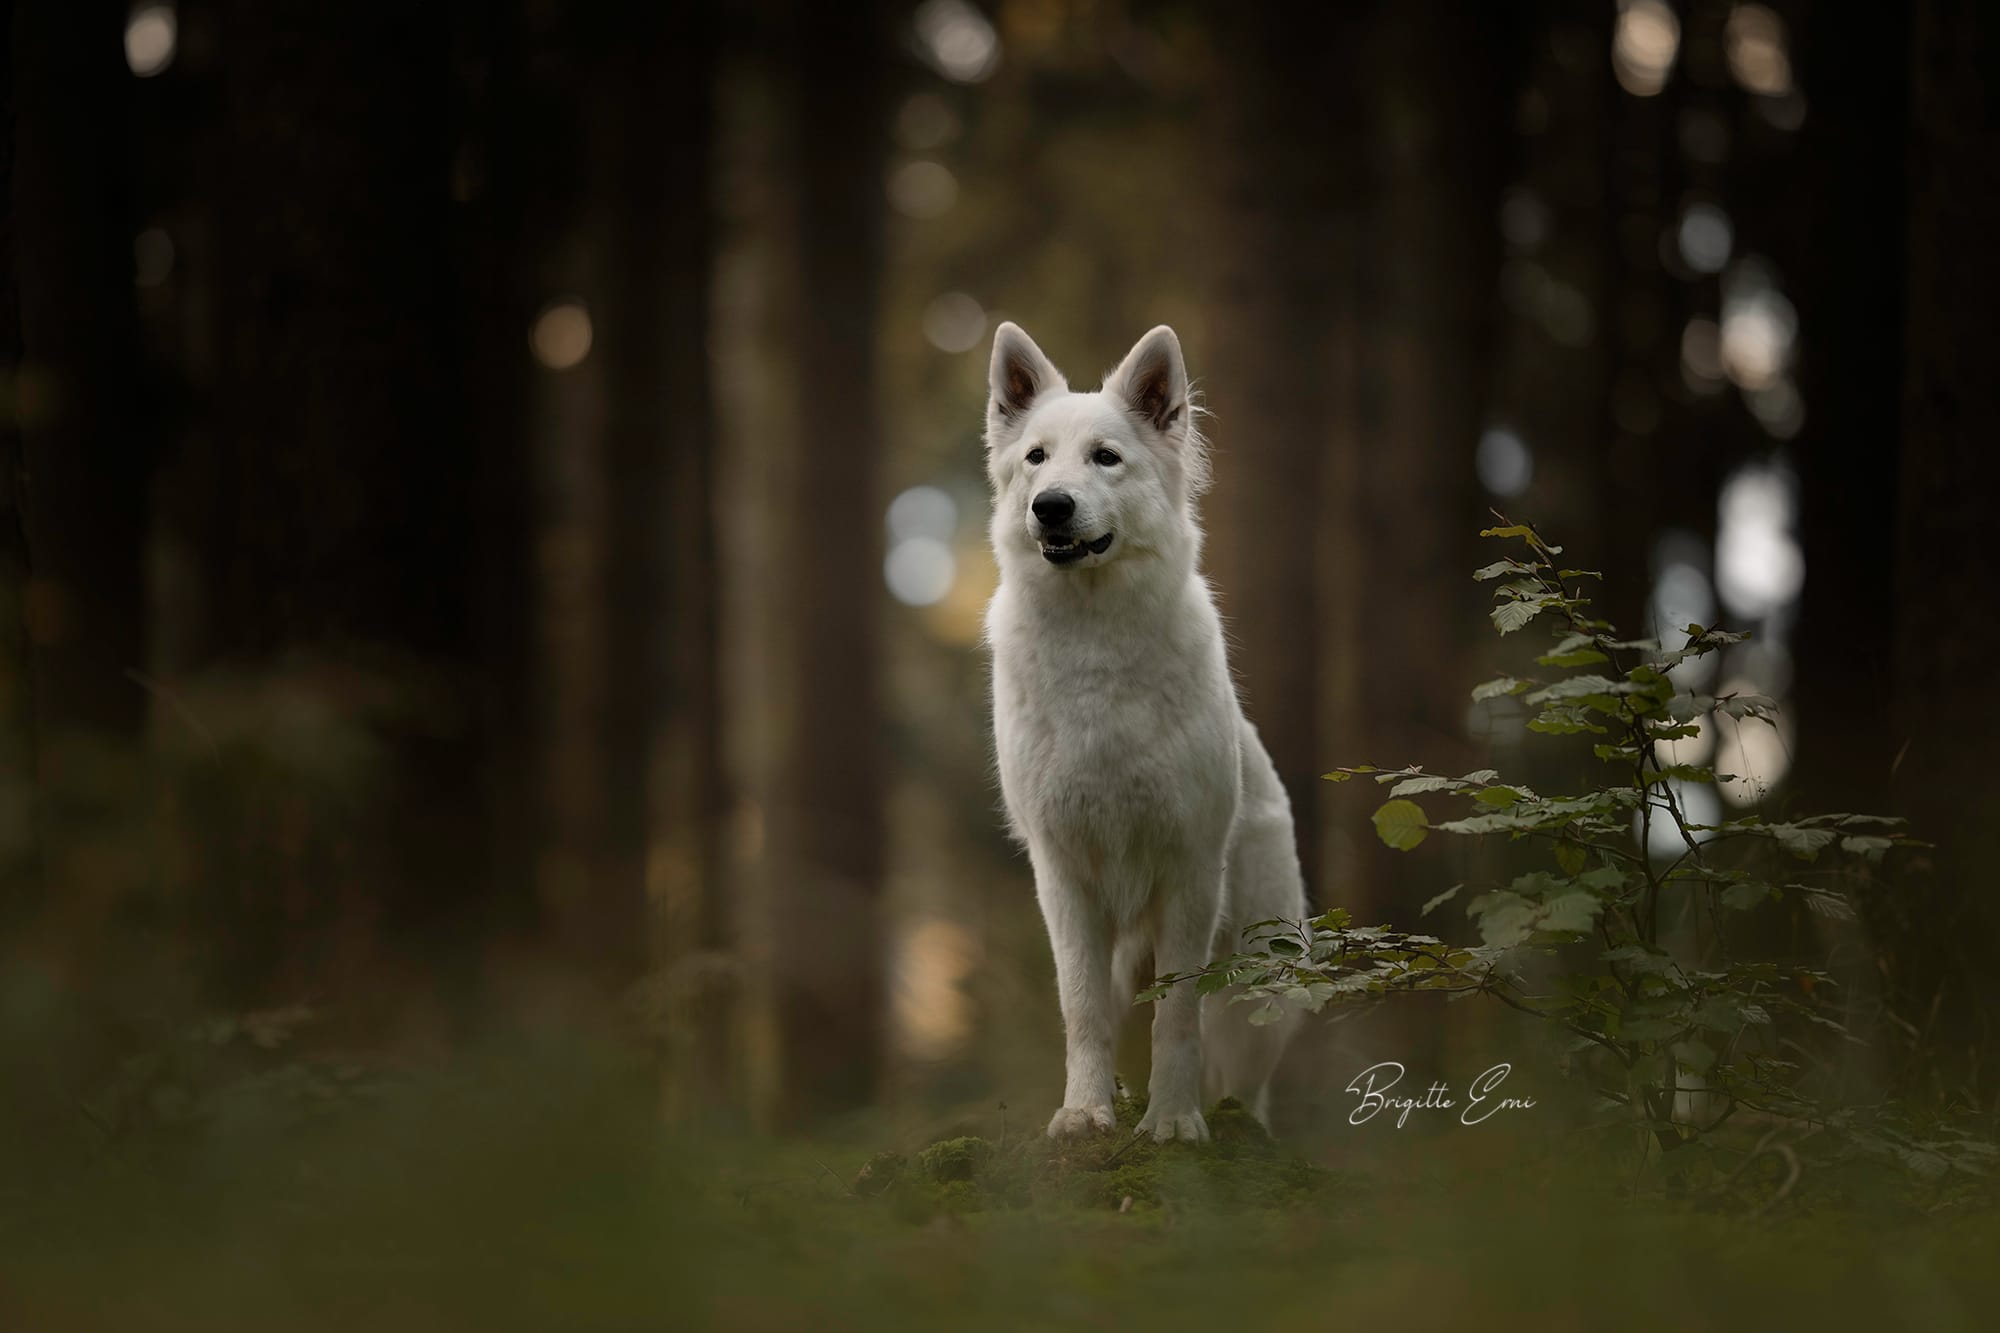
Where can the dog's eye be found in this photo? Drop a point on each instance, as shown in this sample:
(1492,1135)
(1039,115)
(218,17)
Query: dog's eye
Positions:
(1037,456)
(1106,458)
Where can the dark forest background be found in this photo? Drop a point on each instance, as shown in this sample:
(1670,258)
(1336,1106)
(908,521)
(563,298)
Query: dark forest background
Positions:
(492,510)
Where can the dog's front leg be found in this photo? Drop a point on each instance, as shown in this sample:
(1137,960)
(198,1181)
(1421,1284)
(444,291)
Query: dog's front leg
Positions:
(1081,940)
(1184,935)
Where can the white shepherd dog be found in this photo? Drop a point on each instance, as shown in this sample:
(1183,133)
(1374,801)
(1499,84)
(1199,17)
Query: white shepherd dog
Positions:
(1156,824)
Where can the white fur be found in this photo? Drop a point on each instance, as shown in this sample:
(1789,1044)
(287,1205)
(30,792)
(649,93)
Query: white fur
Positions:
(1154,820)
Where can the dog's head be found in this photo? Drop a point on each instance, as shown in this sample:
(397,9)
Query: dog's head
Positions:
(1086,479)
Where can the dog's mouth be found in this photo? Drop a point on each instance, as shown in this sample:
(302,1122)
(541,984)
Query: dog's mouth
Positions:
(1069,550)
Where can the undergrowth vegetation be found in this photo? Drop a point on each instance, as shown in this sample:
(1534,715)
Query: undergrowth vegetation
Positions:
(532,1185)
(1626,923)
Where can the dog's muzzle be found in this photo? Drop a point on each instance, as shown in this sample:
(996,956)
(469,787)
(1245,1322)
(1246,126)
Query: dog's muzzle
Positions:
(1069,550)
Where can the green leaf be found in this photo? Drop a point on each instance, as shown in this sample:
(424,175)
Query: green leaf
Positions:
(1510,616)
(1604,879)
(1563,721)
(1420,784)
(1868,845)
(1500,569)
(1500,821)
(1801,841)
(1505,919)
(1402,824)
(1827,903)
(1572,912)
(1743,897)
(1511,530)
(1574,650)
(1498,795)
(1441,899)
(1748,705)
(1586,687)
(1499,687)
(1571,857)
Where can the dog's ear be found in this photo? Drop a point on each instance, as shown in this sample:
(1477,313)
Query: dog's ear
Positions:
(1152,381)
(1019,375)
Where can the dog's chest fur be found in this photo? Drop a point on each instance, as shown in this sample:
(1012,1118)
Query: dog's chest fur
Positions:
(1116,727)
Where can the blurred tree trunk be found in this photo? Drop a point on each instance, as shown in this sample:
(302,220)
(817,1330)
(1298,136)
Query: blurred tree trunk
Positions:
(1440,82)
(85,468)
(1289,155)
(1564,124)
(329,505)
(1947,617)
(665,784)
(829,852)
(505,185)
(19,865)
(1848,233)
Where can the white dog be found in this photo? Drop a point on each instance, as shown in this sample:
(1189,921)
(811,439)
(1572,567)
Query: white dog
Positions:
(1155,822)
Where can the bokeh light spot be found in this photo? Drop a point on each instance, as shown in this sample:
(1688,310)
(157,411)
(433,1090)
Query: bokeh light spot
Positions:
(1759,567)
(955,322)
(958,40)
(923,511)
(1706,237)
(1759,326)
(1778,408)
(1504,462)
(1756,751)
(1754,39)
(923,190)
(1701,355)
(926,121)
(1524,219)
(1643,46)
(1682,596)
(151,34)
(561,335)
(919,570)
(1698,804)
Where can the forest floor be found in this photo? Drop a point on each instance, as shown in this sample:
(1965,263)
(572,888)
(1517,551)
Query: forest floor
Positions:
(538,1190)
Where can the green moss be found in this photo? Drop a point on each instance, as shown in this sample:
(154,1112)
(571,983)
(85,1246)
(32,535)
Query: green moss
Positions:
(1241,1167)
(954,1159)
(879,1173)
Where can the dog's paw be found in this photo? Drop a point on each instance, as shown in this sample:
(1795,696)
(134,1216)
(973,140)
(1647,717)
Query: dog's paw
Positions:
(1075,1121)
(1166,1126)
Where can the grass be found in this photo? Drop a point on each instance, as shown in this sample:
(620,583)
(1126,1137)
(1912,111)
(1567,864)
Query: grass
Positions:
(537,1190)
(1125,1172)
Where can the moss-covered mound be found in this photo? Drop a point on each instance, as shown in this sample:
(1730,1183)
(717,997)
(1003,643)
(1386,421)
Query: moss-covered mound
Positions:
(1241,1166)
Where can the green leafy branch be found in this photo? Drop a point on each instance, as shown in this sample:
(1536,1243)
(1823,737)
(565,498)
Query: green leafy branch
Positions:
(1666,1012)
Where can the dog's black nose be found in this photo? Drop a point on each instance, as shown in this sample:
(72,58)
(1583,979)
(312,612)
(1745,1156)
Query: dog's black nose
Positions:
(1053,507)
